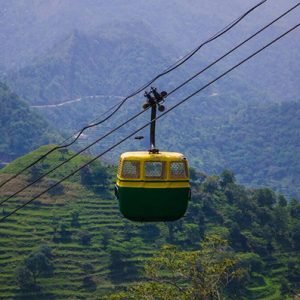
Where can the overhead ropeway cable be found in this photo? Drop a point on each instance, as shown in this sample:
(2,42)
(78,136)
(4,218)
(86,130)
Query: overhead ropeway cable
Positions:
(234,48)
(147,124)
(121,103)
(138,114)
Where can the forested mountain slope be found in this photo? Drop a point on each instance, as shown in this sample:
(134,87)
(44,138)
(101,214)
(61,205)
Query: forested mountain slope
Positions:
(82,65)
(258,142)
(21,129)
(54,52)
(73,242)
(261,145)
(28,43)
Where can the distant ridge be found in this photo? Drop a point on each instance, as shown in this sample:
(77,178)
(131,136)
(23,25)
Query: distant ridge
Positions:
(21,129)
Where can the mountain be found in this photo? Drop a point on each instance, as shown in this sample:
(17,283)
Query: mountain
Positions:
(73,241)
(258,142)
(30,43)
(21,129)
(71,61)
(88,65)
(266,138)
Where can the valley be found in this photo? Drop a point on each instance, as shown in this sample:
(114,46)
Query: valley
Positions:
(68,64)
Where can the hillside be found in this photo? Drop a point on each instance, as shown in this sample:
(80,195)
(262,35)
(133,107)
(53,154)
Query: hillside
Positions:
(71,62)
(267,138)
(66,63)
(83,65)
(21,129)
(92,251)
(108,42)
(92,55)
(258,142)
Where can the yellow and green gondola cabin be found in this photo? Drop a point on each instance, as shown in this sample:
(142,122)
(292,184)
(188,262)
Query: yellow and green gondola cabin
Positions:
(153,186)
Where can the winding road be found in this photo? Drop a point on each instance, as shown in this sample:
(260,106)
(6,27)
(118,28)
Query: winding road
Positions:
(75,100)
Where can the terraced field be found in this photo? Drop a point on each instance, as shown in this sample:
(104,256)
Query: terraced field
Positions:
(35,225)
(39,223)
(95,251)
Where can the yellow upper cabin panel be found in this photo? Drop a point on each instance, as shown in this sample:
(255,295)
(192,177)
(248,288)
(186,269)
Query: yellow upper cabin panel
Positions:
(145,155)
(162,166)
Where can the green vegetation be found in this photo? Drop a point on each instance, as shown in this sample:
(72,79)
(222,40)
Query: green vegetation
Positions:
(264,142)
(72,242)
(38,263)
(197,274)
(84,64)
(110,57)
(21,129)
(55,158)
(234,123)
(258,142)
(94,251)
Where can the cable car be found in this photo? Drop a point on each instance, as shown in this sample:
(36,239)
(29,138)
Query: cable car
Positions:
(153,185)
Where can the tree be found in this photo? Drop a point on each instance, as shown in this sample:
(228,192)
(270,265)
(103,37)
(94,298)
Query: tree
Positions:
(193,174)
(210,184)
(252,262)
(295,235)
(88,282)
(95,177)
(56,190)
(282,201)
(227,177)
(175,230)
(284,287)
(24,278)
(99,174)
(86,176)
(192,233)
(95,174)
(294,207)
(106,237)
(149,232)
(200,274)
(62,233)
(117,262)
(265,197)
(121,263)
(130,229)
(75,219)
(84,238)
(63,152)
(171,232)
(35,172)
(280,225)
(38,263)
(87,268)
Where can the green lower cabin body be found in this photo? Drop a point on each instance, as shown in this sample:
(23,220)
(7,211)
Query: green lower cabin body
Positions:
(153,204)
